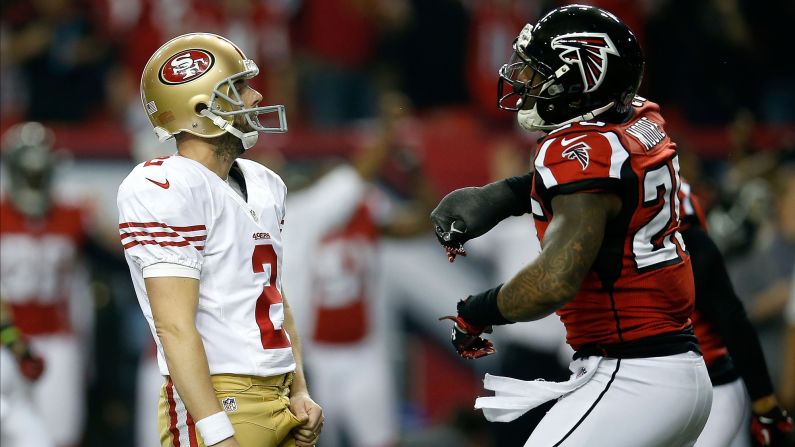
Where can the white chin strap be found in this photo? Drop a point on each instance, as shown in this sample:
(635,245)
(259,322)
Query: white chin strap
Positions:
(249,139)
(531,120)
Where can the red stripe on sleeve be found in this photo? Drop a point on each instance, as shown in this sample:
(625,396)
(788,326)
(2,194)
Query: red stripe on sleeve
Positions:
(160,243)
(157,234)
(195,238)
(130,244)
(172,413)
(190,228)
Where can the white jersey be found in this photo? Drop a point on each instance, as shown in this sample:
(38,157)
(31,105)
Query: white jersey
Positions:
(177,216)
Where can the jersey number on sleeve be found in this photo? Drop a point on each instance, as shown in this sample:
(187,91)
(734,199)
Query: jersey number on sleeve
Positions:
(269,311)
(156,161)
(653,244)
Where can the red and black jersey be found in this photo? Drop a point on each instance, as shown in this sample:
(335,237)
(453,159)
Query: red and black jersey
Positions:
(690,210)
(712,345)
(728,340)
(38,261)
(641,284)
(709,338)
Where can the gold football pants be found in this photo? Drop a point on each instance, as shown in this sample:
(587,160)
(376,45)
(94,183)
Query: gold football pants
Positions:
(257,406)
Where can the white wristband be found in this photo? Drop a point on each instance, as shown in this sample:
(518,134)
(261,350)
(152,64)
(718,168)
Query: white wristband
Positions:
(215,428)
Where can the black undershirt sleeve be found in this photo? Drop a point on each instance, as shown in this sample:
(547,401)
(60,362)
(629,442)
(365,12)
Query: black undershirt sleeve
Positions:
(521,186)
(717,301)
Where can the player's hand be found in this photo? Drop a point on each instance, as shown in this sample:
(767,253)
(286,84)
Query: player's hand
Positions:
(31,366)
(771,428)
(468,213)
(228,442)
(467,339)
(311,416)
(449,222)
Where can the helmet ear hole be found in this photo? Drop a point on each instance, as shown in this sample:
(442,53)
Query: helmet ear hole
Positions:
(199,107)
(555,89)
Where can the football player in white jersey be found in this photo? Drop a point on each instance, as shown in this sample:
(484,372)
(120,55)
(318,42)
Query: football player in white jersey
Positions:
(201,232)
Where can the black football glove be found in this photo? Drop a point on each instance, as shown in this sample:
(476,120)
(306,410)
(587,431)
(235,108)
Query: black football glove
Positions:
(470,212)
(467,340)
(771,428)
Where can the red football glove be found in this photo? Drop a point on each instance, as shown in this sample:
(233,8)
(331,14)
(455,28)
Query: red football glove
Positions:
(30,365)
(467,340)
(452,252)
(771,428)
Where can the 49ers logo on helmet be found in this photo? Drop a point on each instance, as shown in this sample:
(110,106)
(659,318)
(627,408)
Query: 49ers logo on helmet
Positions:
(589,51)
(186,66)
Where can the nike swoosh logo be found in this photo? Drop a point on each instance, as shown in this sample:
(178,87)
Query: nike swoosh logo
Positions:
(162,185)
(566,142)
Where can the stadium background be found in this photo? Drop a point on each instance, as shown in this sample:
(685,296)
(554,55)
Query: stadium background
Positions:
(721,70)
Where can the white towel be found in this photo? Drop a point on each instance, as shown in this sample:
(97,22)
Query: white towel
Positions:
(514,397)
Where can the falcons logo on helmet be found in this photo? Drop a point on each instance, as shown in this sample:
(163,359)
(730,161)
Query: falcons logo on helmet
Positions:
(589,51)
(579,152)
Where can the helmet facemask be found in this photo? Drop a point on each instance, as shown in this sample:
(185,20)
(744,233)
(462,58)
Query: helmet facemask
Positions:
(232,99)
(527,93)
(522,86)
(538,85)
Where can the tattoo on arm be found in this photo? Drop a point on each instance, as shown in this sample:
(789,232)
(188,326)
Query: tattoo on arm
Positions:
(571,244)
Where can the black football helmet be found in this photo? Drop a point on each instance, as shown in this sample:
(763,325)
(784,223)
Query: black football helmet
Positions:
(30,161)
(574,64)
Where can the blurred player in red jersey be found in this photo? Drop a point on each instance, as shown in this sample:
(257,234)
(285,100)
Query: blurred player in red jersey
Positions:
(337,222)
(730,346)
(345,349)
(613,265)
(44,286)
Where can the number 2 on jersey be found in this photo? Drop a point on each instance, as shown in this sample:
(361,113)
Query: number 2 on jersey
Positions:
(272,334)
(653,244)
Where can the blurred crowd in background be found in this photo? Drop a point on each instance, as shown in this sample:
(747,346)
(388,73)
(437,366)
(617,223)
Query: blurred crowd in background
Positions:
(416,80)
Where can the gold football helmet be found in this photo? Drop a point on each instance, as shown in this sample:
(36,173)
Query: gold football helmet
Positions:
(188,85)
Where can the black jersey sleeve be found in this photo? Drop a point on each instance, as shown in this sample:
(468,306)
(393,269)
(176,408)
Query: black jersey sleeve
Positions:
(717,301)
